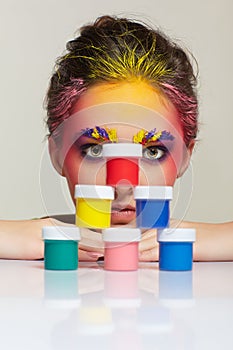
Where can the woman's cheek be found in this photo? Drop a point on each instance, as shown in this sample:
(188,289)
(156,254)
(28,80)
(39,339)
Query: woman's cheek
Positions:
(92,172)
(71,170)
(162,173)
(79,170)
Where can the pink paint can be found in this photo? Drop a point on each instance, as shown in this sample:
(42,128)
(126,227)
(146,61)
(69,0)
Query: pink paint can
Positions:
(121,248)
(122,162)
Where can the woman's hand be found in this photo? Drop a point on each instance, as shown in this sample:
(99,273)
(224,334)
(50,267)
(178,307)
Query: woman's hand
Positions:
(91,246)
(148,247)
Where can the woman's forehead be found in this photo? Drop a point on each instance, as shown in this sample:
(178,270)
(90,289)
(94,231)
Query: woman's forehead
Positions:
(126,118)
(132,98)
(134,104)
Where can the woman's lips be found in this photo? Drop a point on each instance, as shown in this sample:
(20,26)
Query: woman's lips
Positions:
(121,215)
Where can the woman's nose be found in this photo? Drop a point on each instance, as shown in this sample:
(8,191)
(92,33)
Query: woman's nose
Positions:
(123,191)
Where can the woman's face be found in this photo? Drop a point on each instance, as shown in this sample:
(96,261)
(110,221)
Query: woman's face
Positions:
(127,108)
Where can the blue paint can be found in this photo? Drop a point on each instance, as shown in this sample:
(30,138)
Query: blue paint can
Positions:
(153,206)
(176,249)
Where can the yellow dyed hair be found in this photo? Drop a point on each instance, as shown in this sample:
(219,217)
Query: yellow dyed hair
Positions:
(131,63)
(114,49)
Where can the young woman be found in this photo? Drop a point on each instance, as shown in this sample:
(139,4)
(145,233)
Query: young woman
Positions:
(121,81)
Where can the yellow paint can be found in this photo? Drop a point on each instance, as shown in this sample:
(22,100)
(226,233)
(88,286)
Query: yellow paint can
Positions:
(93,205)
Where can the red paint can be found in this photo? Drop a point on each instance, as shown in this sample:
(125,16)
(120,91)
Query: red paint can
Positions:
(122,163)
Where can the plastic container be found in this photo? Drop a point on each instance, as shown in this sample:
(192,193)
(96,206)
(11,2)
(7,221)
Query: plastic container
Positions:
(122,163)
(176,249)
(121,248)
(60,247)
(152,206)
(93,205)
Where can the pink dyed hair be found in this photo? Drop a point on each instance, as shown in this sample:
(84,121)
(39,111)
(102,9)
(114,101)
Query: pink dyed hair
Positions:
(65,98)
(187,107)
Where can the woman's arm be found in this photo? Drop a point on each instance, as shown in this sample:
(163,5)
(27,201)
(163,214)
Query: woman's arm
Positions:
(214,242)
(22,239)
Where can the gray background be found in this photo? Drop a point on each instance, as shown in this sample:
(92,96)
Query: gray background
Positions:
(33,33)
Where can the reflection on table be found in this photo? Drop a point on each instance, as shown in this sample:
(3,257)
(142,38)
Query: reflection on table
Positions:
(92,308)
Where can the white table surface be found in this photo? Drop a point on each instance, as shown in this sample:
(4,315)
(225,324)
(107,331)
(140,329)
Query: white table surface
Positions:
(95,309)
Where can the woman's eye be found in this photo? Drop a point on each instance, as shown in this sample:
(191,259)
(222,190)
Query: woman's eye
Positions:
(92,150)
(154,152)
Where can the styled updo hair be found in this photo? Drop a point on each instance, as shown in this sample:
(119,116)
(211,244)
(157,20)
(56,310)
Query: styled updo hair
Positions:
(116,49)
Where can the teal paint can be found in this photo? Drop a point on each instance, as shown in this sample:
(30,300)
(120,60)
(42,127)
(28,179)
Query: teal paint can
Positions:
(61,247)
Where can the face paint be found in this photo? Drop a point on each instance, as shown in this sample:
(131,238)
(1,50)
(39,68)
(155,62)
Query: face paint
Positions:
(120,107)
(144,137)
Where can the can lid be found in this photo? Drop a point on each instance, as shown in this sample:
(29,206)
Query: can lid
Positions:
(176,235)
(118,234)
(133,150)
(153,192)
(94,192)
(63,233)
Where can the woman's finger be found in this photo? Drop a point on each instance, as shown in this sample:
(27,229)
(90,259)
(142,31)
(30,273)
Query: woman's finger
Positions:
(148,241)
(149,255)
(91,241)
(84,255)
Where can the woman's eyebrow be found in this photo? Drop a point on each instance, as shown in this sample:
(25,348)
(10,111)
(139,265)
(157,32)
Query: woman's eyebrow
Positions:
(101,134)
(144,136)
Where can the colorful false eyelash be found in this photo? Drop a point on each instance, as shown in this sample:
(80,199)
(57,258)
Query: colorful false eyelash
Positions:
(145,137)
(101,134)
